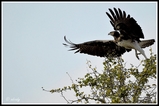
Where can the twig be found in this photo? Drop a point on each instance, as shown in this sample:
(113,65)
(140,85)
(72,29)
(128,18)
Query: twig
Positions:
(70,77)
(64,97)
(45,89)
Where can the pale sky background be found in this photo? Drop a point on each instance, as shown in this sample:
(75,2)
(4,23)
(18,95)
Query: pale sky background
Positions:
(33,54)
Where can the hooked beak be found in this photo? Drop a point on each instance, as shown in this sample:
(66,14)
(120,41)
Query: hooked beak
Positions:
(110,33)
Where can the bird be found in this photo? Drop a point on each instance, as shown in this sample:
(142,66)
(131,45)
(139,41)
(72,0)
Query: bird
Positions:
(127,34)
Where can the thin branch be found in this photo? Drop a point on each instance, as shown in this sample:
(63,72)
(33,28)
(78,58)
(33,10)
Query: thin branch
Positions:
(70,77)
(64,97)
(139,64)
(45,89)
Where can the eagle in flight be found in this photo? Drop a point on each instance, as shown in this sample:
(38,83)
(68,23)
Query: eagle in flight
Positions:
(127,34)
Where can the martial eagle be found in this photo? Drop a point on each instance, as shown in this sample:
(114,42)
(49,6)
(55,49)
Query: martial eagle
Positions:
(127,34)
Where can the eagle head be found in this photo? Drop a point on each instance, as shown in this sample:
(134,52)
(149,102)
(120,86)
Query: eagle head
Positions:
(115,34)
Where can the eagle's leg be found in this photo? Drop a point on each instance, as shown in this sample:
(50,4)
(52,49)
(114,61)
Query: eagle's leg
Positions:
(137,54)
(137,47)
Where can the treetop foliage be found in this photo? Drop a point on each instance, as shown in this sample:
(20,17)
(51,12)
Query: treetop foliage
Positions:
(116,83)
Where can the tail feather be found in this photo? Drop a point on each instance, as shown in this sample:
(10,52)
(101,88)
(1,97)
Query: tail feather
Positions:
(146,43)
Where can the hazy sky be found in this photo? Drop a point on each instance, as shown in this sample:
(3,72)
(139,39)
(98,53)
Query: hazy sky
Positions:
(33,54)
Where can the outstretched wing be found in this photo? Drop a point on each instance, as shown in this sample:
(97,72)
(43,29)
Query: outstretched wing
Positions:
(102,48)
(125,24)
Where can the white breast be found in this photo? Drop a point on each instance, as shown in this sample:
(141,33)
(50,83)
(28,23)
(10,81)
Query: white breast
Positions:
(127,44)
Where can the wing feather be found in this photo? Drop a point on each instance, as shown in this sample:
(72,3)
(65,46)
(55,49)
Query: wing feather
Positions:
(117,14)
(114,16)
(102,48)
(120,12)
(124,14)
(112,20)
